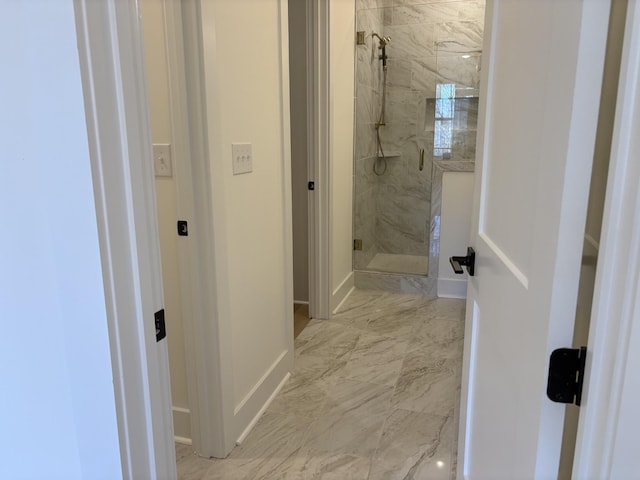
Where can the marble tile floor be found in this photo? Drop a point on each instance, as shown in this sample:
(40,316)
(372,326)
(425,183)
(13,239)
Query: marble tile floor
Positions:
(374,395)
(396,263)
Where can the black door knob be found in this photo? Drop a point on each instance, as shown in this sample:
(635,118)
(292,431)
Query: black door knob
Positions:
(469,261)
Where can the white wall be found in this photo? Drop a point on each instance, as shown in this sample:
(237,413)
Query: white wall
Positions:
(57,411)
(299,160)
(342,67)
(455,229)
(158,86)
(245,102)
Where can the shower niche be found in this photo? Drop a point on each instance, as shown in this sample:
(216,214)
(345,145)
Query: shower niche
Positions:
(414,121)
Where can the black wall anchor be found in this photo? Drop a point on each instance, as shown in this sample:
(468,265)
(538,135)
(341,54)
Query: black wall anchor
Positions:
(469,261)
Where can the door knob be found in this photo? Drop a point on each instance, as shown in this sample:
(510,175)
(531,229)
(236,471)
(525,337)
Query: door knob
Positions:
(469,261)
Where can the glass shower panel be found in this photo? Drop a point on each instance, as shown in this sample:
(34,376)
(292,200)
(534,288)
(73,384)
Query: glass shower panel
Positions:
(429,94)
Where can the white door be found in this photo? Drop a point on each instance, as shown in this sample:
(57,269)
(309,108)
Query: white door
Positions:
(539,106)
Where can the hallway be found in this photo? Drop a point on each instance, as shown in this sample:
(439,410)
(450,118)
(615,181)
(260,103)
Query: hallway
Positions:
(374,395)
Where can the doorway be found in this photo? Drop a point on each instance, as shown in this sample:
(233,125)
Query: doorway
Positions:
(298,88)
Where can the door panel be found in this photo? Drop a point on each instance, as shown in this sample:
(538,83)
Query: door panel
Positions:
(536,136)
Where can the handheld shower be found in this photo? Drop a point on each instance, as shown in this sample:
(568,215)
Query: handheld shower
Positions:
(382,45)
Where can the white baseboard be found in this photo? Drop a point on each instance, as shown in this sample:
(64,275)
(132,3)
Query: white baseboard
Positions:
(341,293)
(449,288)
(253,422)
(250,408)
(182,424)
(182,440)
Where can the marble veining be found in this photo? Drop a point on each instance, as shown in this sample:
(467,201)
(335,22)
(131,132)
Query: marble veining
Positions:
(380,401)
(414,445)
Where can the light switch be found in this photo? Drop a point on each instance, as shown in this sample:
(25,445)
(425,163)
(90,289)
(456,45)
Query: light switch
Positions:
(242,158)
(162,160)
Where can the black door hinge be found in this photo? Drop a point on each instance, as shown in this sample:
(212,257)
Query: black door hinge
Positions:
(183,228)
(566,375)
(161,330)
(311,185)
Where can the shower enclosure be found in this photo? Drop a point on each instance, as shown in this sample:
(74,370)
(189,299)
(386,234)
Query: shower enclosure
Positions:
(415,119)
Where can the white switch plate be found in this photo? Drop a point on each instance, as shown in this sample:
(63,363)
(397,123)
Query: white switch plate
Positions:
(242,158)
(162,160)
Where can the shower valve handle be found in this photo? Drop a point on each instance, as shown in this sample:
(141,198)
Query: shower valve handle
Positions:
(469,261)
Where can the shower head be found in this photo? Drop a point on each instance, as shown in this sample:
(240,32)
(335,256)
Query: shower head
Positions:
(383,41)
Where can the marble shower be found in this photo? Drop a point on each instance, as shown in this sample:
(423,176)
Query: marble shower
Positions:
(431,107)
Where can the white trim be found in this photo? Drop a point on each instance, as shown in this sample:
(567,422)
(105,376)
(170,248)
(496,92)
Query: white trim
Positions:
(112,65)
(253,422)
(319,135)
(182,423)
(616,298)
(343,291)
(452,288)
(182,440)
(179,118)
(260,383)
(260,395)
(339,306)
(211,354)
(285,122)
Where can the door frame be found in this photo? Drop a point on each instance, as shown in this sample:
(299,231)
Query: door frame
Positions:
(111,58)
(193,306)
(611,378)
(319,157)
(209,357)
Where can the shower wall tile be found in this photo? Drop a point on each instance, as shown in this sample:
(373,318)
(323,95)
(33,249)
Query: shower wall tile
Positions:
(395,171)
(424,75)
(371,4)
(401,223)
(366,105)
(411,41)
(463,72)
(458,37)
(437,12)
(365,140)
(395,135)
(402,106)
(399,72)
(369,20)
(464,145)
(387,16)
(364,73)
(365,178)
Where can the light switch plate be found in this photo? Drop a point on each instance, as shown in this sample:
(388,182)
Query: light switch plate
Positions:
(242,158)
(162,160)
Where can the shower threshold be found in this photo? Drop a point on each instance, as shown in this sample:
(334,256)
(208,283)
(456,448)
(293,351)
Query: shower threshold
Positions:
(396,263)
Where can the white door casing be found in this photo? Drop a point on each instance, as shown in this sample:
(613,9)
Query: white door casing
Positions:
(541,82)
(319,158)
(114,87)
(607,445)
